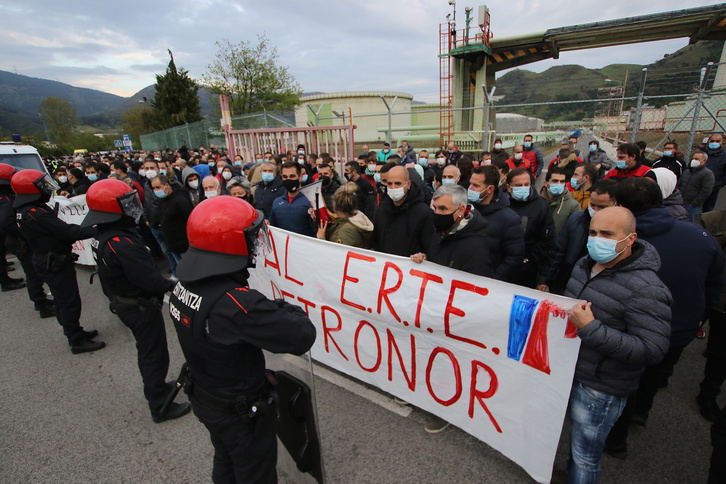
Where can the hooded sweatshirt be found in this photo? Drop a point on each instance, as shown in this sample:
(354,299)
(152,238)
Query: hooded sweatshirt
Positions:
(355,231)
(193,193)
(561,207)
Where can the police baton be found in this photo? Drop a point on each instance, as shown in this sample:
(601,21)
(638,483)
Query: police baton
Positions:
(181,380)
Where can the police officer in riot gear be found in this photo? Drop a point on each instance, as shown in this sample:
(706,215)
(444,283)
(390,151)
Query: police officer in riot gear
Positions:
(133,284)
(50,241)
(17,245)
(223,326)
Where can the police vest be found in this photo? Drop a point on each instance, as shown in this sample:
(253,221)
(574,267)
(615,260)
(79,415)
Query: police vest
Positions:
(213,366)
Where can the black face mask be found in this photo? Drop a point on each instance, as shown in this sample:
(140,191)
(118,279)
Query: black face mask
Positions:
(291,185)
(443,222)
(326,180)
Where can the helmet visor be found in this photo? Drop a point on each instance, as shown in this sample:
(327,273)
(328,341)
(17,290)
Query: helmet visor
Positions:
(46,185)
(131,205)
(257,237)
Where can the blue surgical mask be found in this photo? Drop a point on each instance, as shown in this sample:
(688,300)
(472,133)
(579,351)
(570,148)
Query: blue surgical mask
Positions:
(527,144)
(162,171)
(268,177)
(473,196)
(714,146)
(557,189)
(603,250)
(423,162)
(668,153)
(377,177)
(574,182)
(259,160)
(451,151)
(621,164)
(93,177)
(448,181)
(593,147)
(304,178)
(238,163)
(520,193)
(211,164)
(160,193)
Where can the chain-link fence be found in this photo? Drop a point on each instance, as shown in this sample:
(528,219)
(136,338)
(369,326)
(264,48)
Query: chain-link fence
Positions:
(676,104)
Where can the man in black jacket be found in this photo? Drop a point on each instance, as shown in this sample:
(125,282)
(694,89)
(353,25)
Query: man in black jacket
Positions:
(268,189)
(174,209)
(505,234)
(403,222)
(571,242)
(539,227)
(134,286)
(366,193)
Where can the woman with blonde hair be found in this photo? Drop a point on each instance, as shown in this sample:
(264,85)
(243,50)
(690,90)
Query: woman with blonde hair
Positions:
(349,226)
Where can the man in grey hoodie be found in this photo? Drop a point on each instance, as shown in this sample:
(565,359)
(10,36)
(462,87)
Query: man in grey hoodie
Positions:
(623,325)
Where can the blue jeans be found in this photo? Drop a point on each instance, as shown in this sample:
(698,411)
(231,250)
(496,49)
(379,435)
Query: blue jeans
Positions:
(593,414)
(693,212)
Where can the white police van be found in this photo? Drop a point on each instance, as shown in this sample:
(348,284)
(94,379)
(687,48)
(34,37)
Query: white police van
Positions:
(21,156)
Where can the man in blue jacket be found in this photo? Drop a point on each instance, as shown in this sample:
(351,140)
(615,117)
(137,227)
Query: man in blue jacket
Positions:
(292,210)
(623,326)
(692,267)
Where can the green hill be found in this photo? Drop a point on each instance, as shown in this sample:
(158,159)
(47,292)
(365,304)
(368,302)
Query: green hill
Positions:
(676,73)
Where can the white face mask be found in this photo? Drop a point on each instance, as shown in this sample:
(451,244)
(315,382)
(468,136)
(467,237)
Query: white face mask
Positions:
(210,193)
(497,146)
(226,175)
(486,162)
(590,211)
(142,172)
(695,163)
(396,194)
(151,174)
(64,179)
(517,156)
(441,161)
(194,184)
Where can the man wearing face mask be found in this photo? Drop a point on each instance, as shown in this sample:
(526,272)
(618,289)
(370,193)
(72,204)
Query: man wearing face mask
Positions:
(498,153)
(454,153)
(174,209)
(554,192)
(460,241)
(518,160)
(696,184)
(598,157)
(267,190)
(717,164)
(451,175)
(581,183)
(533,156)
(78,180)
(366,194)
(623,326)
(670,159)
(627,163)
(135,288)
(211,187)
(537,222)
(571,241)
(505,234)
(61,177)
(190,180)
(384,153)
(403,223)
(292,211)
(329,184)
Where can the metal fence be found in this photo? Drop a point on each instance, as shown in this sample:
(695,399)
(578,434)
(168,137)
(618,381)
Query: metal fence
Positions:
(678,104)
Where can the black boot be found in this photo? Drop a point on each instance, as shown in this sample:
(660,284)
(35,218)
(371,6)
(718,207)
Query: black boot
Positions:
(175,410)
(45,308)
(10,284)
(84,345)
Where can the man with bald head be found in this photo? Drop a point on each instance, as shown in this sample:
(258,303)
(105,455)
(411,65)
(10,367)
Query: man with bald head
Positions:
(403,222)
(623,324)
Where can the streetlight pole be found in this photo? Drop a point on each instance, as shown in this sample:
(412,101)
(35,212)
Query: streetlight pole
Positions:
(45,128)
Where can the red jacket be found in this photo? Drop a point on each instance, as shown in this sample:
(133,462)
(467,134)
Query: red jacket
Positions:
(638,170)
(523,163)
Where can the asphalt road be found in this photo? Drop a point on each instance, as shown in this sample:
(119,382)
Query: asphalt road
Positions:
(83,419)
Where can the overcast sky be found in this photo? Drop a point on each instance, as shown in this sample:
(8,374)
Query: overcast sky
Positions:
(334,45)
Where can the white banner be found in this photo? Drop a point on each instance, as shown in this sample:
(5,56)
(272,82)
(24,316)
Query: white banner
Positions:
(494,359)
(73,211)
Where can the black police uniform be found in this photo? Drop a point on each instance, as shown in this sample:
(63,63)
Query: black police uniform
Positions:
(51,240)
(133,284)
(19,246)
(223,326)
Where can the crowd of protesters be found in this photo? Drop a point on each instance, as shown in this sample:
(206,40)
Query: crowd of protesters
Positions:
(639,240)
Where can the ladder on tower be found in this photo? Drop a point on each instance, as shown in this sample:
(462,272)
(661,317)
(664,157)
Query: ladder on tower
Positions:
(446,116)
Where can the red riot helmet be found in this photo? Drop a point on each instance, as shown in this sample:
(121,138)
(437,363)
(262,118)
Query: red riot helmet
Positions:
(109,200)
(222,233)
(31,185)
(6,173)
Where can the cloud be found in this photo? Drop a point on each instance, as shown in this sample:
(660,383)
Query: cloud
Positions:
(328,46)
